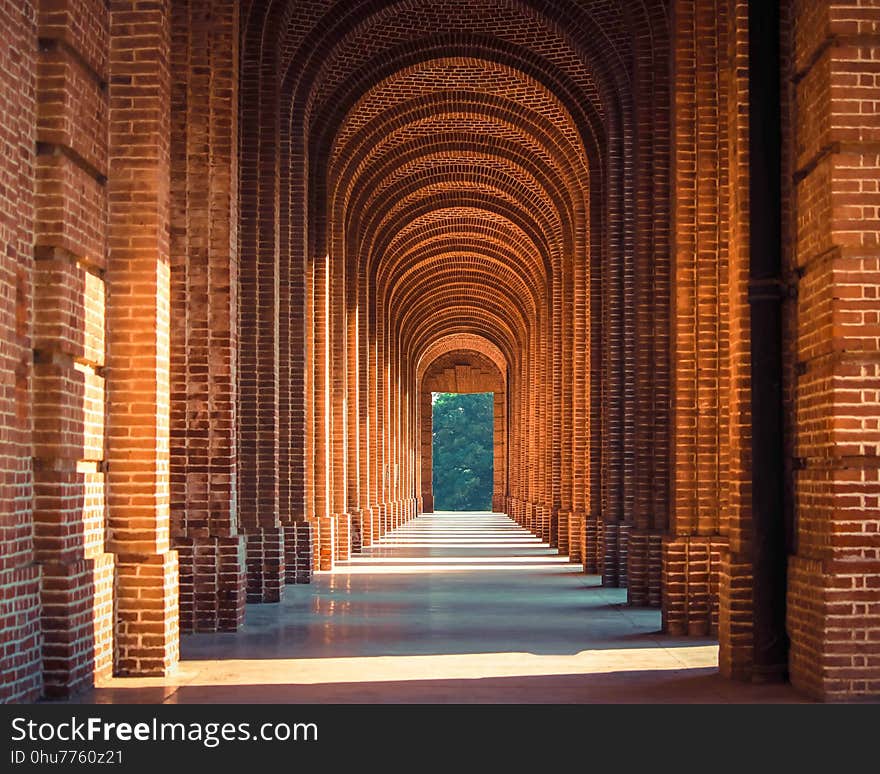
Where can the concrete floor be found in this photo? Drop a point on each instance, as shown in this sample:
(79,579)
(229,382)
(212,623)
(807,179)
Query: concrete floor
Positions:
(464,607)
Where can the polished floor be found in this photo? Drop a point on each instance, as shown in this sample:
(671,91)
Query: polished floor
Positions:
(452,607)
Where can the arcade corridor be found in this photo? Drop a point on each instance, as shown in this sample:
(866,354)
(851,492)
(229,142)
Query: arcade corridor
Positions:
(242,242)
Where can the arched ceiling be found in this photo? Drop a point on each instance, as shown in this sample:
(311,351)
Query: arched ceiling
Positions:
(454,150)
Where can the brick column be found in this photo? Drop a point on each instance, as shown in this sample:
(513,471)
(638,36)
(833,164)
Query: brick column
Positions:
(691,554)
(137,330)
(70,251)
(20,679)
(427,450)
(204,319)
(735,587)
(833,582)
(259,353)
(499,449)
(651,308)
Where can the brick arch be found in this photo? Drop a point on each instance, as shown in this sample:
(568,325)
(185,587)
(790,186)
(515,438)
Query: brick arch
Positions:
(525,369)
(454,367)
(469,47)
(463,341)
(473,196)
(508,168)
(459,228)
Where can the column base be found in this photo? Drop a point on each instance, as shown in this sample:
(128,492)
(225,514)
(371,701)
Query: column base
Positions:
(265,564)
(357,530)
(385,516)
(378,522)
(316,542)
(563,532)
(735,615)
(615,550)
(832,622)
(327,541)
(576,538)
(645,568)
(77,624)
(342,545)
(213,583)
(366,528)
(691,581)
(552,522)
(147,618)
(21,678)
(297,552)
(304,564)
(592,545)
(540,523)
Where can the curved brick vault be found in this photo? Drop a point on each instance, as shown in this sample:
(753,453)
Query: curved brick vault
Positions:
(244,242)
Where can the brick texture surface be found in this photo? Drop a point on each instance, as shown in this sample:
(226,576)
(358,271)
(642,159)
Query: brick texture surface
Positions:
(138,319)
(241,244)
(833,610)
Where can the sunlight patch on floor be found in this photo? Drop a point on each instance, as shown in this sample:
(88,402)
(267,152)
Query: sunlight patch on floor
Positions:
(465,666)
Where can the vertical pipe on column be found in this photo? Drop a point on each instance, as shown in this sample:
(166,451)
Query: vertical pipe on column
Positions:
(765,299)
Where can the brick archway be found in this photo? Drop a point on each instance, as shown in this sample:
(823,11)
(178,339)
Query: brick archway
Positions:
(219,323)
(455,367)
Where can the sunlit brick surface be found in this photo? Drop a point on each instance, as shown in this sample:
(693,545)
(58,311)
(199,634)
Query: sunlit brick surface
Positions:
(242,242)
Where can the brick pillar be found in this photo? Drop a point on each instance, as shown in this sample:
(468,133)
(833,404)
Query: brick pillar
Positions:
(70,251)
(833,581)
(499,449)
(137,329)
(608,560)
(204,330)
(303,562)
(326,542)
(426,438)
(20,679)
(700,322)
(259,344)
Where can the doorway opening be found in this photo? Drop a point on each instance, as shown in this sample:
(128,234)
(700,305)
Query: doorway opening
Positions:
(462,449)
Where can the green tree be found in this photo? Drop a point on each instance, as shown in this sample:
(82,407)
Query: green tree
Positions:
(462,451)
